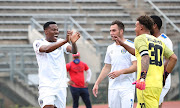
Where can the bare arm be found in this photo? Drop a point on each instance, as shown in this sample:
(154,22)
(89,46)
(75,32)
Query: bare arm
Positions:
(73,39)
(172,62)
(106,69)
(54,46)
(145,63)
(127,47)
(72,49)
(165,63)
(131,69)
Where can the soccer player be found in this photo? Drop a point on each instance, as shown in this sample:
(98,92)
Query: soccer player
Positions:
(149,52)
(119,66)
(52,67)
(156,32)
(78,85)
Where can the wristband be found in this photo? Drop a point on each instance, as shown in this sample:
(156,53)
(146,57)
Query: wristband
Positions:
(165,75)
(143,74)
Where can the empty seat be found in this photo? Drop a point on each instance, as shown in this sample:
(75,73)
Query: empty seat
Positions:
(13,37)
(163,1)
(96,1)
(102,8)
(126,29)
(109,22)
(37,8)
(108,15)
(34,0)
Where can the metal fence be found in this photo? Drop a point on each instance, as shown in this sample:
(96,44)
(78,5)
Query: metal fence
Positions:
(18,60)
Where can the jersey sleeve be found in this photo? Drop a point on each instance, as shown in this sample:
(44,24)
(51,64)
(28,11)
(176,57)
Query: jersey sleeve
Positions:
(107,58)
(133,58)
(64,46)
(141,45)
(167,52)
(68,67)
(36,45)
(169,44)
(86,67)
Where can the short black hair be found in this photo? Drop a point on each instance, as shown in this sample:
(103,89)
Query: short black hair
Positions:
(146,21)
(119,23)
(46,25)
(157,20)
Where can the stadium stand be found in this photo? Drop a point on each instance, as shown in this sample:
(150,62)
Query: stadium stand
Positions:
(94,16)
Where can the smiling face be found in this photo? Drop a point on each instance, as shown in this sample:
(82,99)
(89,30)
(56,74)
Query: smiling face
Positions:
(52,33)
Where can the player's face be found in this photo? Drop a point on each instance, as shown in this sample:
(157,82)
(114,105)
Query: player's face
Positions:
(137,28)
(114,31)
(52,33)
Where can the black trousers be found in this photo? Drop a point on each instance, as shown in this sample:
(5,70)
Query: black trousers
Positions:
(76,93)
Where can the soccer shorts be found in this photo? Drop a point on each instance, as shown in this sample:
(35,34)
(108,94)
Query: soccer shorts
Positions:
(49,96)
(163,94)
(148,98)
(118,98)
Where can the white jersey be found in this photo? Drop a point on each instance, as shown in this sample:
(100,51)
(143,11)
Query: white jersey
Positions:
(169,44)
(52,66)
(119,58)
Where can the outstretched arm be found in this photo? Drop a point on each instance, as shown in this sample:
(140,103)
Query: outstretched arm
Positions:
(106,69)
(54,46)
(171,64)
(127,47)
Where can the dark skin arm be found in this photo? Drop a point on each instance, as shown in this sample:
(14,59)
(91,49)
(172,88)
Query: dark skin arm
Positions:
(127,47)
(54,46)
(73,38)
(171,64)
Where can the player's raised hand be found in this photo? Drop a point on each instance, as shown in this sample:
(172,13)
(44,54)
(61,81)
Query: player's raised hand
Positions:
(114,74)
(140,84)
(75,37)
(118,40)
(95,90)
(69,34)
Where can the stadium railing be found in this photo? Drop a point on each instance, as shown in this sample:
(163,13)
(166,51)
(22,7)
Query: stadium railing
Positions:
(73,24)
(167,20)
(13,60)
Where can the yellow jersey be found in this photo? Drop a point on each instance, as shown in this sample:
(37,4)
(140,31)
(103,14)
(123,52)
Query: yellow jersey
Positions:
(156,49)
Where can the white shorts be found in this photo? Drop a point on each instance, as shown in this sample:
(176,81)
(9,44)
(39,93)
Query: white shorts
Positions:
(49,96)
(163,94)
(165,89)
(121,98)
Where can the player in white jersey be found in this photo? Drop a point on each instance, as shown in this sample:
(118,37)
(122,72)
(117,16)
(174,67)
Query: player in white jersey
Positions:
(119,66)
(52,67)
(156,32)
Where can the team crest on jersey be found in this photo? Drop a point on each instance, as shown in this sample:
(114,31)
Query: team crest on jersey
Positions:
(123,51)
(37,44)
(41,102)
